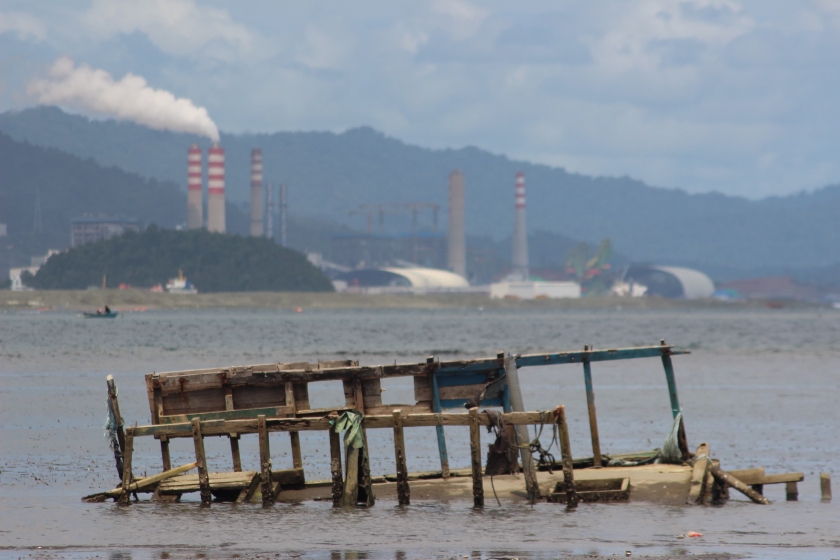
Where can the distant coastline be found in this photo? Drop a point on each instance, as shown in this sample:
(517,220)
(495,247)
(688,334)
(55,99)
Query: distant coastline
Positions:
(129,300)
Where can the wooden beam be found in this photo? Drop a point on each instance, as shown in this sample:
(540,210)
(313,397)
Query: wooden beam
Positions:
(201,460)
(566,455)
(143,482)
(250,426)
(265,463)
(475,454)
(825,487)
(403,490)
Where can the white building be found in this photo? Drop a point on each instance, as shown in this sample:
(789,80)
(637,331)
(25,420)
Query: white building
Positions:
(534,290)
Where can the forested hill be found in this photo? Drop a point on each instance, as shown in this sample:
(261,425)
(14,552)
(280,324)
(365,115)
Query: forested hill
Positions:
(69,187)
(330,174)
(213,262)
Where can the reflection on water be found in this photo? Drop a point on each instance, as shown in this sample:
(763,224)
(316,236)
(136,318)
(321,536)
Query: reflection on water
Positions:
(760,386)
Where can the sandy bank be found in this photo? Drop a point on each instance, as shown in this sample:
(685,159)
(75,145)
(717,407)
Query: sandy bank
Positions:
(131,299)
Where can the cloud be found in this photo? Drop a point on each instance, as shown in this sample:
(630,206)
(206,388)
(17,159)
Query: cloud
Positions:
(96,92)
(24,25)
(178,27)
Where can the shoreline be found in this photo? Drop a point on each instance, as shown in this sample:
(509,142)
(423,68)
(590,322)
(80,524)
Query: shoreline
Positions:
(127,300)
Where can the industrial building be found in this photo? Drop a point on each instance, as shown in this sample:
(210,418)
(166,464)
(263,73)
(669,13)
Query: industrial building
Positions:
(670,281)
(91,229)
(402,280)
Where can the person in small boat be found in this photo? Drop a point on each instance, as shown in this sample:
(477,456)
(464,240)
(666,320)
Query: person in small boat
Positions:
(107,310)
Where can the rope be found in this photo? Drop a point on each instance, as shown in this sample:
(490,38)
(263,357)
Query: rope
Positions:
(493,486)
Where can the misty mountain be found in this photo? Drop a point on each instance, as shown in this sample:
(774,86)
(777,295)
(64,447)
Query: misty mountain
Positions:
(330,174)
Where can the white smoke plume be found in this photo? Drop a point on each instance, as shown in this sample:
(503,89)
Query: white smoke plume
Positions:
(95,91)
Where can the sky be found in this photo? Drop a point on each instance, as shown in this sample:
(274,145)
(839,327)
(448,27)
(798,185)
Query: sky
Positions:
(738,97)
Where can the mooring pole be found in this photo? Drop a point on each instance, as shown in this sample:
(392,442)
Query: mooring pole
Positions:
(522,440)
(444,457)
(590,403)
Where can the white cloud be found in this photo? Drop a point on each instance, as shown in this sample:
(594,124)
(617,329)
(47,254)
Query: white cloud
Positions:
(24,25)
(177,27)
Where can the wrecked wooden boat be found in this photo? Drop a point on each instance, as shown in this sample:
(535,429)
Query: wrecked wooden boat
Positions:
(258,400)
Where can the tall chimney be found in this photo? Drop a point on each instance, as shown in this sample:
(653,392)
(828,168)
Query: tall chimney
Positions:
(256,193)
(520,233)
(457,232)
(195,194)
(216,188)
(269,216)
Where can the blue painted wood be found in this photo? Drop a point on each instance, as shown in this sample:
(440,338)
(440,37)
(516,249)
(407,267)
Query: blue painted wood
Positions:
(672,384)
(444,457)
(593,418)
(593,356)
(472,378)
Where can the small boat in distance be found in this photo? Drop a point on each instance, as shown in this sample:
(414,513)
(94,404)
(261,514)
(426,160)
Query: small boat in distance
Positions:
(89,315)
(104,313)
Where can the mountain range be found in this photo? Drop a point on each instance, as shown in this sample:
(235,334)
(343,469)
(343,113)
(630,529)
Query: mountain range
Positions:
(329,174)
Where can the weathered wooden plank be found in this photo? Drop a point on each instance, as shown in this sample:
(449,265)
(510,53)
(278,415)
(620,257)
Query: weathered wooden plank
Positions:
(383,410)
(596,355)
(566,455)
(297,454)
(114,405)
(187,483)
(265,462)
(403,490)
(350,495)
(250,426)
(227,415)
(475,456)
(143,483)
(201,460)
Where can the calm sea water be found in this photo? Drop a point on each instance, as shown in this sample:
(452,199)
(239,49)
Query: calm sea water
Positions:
(762,387)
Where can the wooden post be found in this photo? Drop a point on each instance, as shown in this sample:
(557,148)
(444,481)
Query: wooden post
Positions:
(164,453)
(791,491)
(444,456)
(403,490)
(696,492)
(590,403)
(730,480)
(265,463)
(522,438)
(350,496)
(201,459)
(114,405)
(125,497)
(234,451)
(566,454)
(825,486)
(335,467)
(365,481)
(475,452)
(294,437)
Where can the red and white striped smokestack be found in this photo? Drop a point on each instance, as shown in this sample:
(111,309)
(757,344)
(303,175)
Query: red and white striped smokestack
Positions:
(195,191)
(216,188)
(520,233)
(256,193)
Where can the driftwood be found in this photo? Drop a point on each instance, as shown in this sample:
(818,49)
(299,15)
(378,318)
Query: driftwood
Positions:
(140,484)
